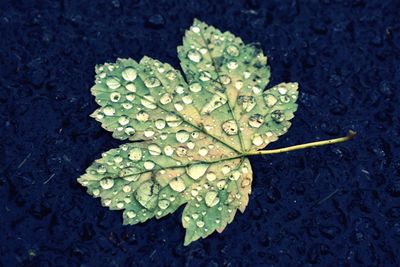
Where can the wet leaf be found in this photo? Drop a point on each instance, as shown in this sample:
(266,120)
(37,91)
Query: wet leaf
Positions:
(191,136)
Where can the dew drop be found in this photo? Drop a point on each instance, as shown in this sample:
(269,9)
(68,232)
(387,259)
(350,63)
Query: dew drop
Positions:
(173,120)
(127,105)
(195,216)
(211,176)
(235,175)
(148,102)
(177,184)
(163,204)
(238,85)
(135,154)
(127,188)
(142,116)
(226,169)
(232,65)
(149,133)
(106,183)
(195,87)
(203,151)
(194,55)
(96,192)
(179,90)
(129,74)
(256,120)
(232,50)
(182,136)
(270,100)
(230,127)
(278,116)
(130,87)
(101,169)
(115,96)
(130,97)
(160,124)
(205,76)
(282,90)
(154,150)
(257,140)
(187,99)
(179,106)
(120,205)
(118,159)
(130,214)
(108,110)
(165,99)
(181,151)
(152,82)
(194,192)
(211,198)
(195,29)
(200,224)
(113,83)
(171,75)
(107,202)
(225,79)
(196,171)
(123,120)
(247,102)
(168,150)
(148,165)
(221,184)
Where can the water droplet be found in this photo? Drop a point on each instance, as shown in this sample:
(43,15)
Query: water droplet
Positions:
(177,184)
(171,75)
(181,151)
(247,102)
(278,116)
(96,192)
(195,216)
(195,29)
(120,205)
(194,192)
(130,97)
(173,120)
(221,184)
(135,154)
(115,96)
(284,99)
(148,102)
(195,87)
(123,120)
(256,120)
(106,183)
(194,55)
(211,176)
(129,74)
(186,218)
(225,79)
(270,100)
(168,150)
(232,65)
(148,165)
(118,159)
(187,99)
(257,140)
(152,82)
(226,169)
(179,106)
(211,198)
(238,85)
(127,105)
(179,89)
(142,116)
(130,87)
(127,188)
(232,50)
(230,127)
(163,204)
(107,202)
(108,110)
(257,90)
(196,171)
(160,124)
(165,99)
(235,175)
(203,151)
(200,224)
(190,145)
(205,76)
(246,74)
(154,150)
(101,169)
(113,83)
(130,214)
(182,136)
(282,90)
(149,133)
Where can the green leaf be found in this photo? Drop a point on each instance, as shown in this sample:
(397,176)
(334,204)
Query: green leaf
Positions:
(191,136)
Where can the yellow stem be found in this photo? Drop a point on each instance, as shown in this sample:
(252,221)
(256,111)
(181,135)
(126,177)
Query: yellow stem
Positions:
(349,136)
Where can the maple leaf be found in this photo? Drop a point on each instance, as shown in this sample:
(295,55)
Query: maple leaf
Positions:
(191,136)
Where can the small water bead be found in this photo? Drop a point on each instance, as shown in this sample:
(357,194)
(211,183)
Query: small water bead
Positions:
(131,87)
(166,99)
(270,100)
(160,124)
(284,99)
(171,75)
(211,198)
(115,96)
(163,204)
(194,135)
(148,165)
(108,110)
(187,99)
(120,205)
(194,55)
(232,50)
(195,216)
(247,102)
(257,90)
(179,89)
(195,87)
(226,169)
(142,116)
(211,176)
(152,82)
(168,150)
(148,102)
(195,29)
(177,184)
(182,136)
(203,50)
(196,171)
(129,131)
(239,84)
(205,76)
(106,183)
(194,192)
(154,150)
(163,136)
(113,83)
(230,127)
(232,65)
(221,184)
(282,90)
(257,140)
(190,145)
(96,192)
(130,97)
(256,120)
(107,202)
(181,151)
(127,105)
(129,74)
(123,120)
(101,169)
(200,224)
(225,79)
(127,188)
(127,200)
(246,74)
(148,133)
(235,175)
(186,218)
(203,151)
(135,154)
(130,214)
(173,120)
(118,159)
(278,116)
(179,106)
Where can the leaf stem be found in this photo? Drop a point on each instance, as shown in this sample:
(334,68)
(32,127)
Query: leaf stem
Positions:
(350,135)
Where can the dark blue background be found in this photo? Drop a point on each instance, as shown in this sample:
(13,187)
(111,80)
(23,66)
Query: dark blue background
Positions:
(331,206)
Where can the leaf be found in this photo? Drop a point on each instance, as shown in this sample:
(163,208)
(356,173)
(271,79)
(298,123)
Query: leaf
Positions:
(190,136)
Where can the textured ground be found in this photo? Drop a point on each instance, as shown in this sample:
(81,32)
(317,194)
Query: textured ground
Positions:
(331,206)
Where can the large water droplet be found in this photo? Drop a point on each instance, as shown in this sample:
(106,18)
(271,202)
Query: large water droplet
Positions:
(211,176)
(194,55)
(177,184)
(115,96)
(235,175)
(130,214)
(152,82)
(130,87)
(168,150)
(154,150)
(196,171)
(200,224)
(256,120)
(130,131)
(247,102)
(106,183)
(182,136)
(195,87)
(187,99)
(165,99)
(123,120)
(108,110)
(129,74)
(257,140)
(149,165)
(135,154)
(148,102)
(163,204)
(203,151)
(211,198)
(113,83)
(160,124)
(226,169)
(142,116)
(173,120)
(270,100)
(232,65)
(230,127)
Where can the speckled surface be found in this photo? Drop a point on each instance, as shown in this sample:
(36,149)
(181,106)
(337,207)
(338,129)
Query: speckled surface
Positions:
(331,206)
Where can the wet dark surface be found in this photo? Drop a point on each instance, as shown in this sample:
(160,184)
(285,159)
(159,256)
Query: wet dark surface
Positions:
(331,206)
